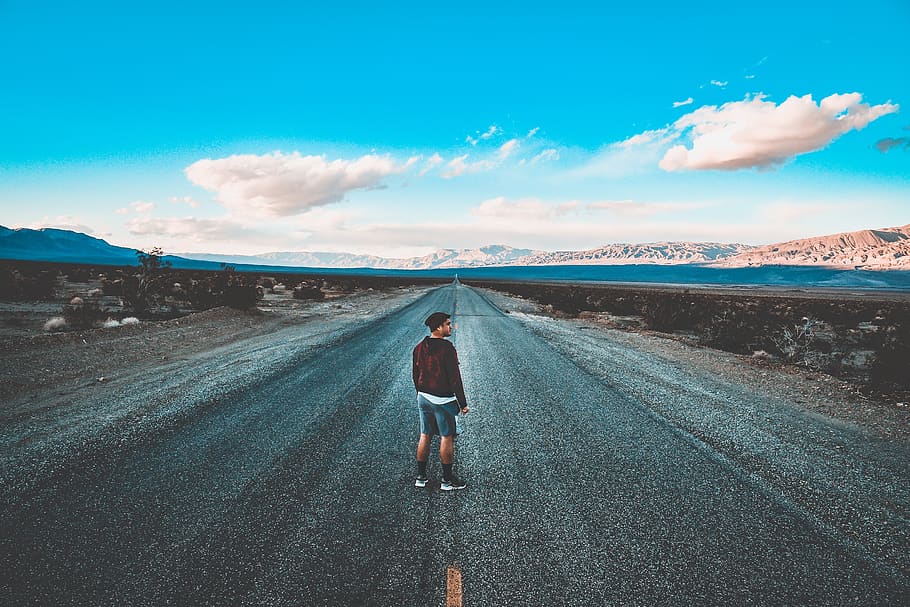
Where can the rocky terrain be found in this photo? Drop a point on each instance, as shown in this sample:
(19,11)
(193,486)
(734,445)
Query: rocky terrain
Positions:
(887,248)
(656,252)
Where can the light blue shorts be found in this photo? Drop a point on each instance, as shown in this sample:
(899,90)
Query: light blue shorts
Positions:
(437,419)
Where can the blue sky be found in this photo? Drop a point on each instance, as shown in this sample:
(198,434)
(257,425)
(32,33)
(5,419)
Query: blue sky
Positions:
(247,128)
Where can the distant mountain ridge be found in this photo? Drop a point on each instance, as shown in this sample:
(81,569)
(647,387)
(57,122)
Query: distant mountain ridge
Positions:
(885,248)
(52,244)
(656,252)
(491,255)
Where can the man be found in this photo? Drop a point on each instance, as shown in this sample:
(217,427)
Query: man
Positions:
(440,395)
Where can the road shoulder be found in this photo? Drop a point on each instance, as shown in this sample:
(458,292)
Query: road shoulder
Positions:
(801,388)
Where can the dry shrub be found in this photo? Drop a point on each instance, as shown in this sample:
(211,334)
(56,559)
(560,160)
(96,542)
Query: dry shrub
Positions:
(19,286)
(800,344)
(242,297)
(734,329)
(305,291)
(667,314)
(83,315)
(891,366)
(794,342)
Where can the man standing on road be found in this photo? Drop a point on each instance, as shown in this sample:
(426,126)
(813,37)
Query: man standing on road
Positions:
(440,395)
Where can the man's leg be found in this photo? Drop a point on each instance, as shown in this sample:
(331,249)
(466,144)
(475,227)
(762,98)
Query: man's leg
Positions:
(446,449)
(447,455)
(423,448)
(427,430)
(423,454)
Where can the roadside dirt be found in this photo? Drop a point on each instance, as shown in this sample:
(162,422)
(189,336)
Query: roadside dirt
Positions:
(36,362)
(803,388)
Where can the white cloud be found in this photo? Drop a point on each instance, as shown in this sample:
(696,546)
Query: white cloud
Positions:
(458,166)
(490,132)
(546,155)
(240,235)
(191,228)
(525,208)
(432,162)
(506,149)
(521,222)
(61,222)
(684,102)
(493,130)
(720,83)
(288,184)
(749,76)
(758,133)
(647,137)
(532,132)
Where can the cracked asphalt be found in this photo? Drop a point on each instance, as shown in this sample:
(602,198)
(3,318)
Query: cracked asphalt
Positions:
(294,486)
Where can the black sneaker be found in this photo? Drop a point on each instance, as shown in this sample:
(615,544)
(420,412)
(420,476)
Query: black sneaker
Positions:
(421,480)
(452,484)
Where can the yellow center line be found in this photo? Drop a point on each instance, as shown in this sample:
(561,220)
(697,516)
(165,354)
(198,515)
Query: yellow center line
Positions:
(453,586)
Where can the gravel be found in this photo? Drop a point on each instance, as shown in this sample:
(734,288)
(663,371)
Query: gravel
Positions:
(65,395)
(797,435)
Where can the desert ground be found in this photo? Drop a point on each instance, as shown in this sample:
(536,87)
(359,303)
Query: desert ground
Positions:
(37,361)
(262,456)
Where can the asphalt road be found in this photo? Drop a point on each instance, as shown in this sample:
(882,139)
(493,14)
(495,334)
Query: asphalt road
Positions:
(298,489)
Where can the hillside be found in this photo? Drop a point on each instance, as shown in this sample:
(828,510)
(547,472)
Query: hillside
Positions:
(885,248)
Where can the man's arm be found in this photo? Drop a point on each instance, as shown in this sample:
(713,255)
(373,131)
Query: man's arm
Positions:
(415,372)
(454,373)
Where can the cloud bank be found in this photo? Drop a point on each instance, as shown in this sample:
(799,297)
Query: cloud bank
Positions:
(62,222)
(191,228)
(288,184)
(524,208)
(758,133)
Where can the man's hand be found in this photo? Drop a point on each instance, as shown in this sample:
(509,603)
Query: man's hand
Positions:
(464,410)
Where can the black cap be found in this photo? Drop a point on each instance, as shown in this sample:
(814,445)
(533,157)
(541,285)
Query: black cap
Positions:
(436,319)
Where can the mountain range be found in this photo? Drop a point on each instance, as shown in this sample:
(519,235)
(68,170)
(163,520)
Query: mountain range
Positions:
(492,255)
(885,248)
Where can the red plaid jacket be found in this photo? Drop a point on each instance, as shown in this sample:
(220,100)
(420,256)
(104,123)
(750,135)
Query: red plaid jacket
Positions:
(435,369)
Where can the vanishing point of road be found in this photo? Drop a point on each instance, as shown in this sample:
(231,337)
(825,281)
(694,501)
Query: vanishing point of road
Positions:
(298,489)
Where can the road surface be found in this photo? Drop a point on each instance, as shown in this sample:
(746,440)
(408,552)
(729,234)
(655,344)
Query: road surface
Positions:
(297,488)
